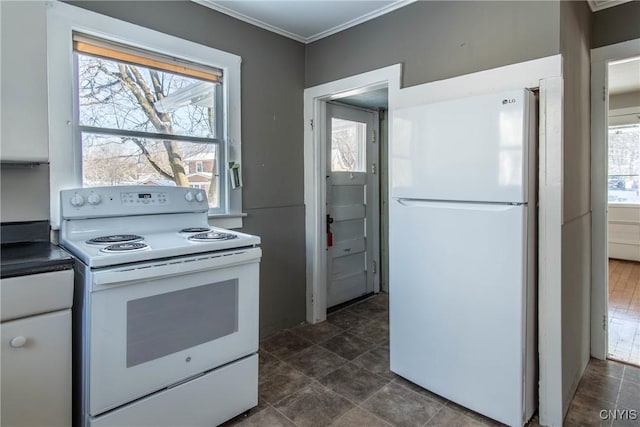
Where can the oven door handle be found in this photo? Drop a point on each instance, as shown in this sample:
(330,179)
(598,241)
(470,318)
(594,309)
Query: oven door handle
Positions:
(105,279)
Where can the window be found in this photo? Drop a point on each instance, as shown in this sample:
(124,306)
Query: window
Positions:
(624,164)
(129,105)
(348,145)
(141,116)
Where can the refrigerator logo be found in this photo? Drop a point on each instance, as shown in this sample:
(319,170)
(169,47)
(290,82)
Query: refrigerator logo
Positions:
(508,101)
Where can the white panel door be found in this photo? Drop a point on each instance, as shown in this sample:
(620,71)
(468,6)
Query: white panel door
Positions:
(457,298)
(352,203)
(469,149)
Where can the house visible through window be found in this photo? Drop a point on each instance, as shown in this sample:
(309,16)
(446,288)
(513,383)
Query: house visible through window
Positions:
(624,164)
(148,119)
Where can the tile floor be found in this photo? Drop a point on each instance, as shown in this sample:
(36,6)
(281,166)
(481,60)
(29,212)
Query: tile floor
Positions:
(336,373)
(624,311)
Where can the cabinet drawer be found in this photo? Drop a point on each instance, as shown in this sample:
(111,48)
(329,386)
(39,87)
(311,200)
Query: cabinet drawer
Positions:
(35,294)
(36,376)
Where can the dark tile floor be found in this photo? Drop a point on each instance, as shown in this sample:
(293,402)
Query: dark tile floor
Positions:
(336,373)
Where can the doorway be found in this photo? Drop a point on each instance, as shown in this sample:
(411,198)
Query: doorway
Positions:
(351,90)
(623,211)
(615,111)
(352,198)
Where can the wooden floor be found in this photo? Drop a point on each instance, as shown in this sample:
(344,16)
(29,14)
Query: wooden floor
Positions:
(624,311)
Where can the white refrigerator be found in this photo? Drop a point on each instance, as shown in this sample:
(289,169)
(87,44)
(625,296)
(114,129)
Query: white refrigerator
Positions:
(462,245)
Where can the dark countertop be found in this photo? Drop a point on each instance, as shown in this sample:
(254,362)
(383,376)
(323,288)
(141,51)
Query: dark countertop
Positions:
(19,259)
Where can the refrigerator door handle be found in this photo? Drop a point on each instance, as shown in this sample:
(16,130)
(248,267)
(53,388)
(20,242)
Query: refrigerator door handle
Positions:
(461,205)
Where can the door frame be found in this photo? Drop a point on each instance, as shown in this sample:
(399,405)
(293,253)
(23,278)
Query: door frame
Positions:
(600,59)
(315,99)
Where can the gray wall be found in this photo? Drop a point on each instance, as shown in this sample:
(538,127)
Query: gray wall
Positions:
(624,100)
(24,193)
(616,24)
(575,33)
(437,40)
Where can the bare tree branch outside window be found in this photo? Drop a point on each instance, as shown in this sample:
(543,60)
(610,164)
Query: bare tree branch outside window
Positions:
(348,144)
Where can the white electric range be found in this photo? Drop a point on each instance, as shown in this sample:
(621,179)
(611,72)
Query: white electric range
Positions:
(166,308)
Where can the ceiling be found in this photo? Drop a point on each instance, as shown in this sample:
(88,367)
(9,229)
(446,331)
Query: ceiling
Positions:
(372,100)
(310,20)
(305,20)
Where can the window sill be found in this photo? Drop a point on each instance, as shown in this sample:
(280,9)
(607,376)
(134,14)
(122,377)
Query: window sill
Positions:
(623,205)
(230,220)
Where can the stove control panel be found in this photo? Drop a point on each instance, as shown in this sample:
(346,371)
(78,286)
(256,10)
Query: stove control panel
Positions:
(146,198)
(131,200)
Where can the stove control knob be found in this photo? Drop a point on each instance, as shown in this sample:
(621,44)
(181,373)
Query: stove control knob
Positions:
(94,199)
(200,197)
(77,200)
(188,196)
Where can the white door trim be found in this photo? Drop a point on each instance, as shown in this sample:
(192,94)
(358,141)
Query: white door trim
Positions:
(600,59)
(544,73)
(551,407)
(315,167)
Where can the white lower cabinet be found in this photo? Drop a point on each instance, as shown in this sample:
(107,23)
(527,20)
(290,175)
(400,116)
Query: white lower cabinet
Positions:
(36,371)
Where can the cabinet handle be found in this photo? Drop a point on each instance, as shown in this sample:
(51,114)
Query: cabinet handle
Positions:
(17,342)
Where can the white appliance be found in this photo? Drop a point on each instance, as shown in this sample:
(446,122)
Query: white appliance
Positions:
(166,308)
(462,251)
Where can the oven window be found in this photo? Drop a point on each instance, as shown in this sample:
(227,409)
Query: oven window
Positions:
(163,324)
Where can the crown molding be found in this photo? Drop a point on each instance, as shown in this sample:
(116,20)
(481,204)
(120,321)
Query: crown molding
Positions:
(248,19)
(597,5)
(364,18)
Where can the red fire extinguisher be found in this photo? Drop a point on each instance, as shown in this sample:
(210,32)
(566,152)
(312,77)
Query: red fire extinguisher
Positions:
(329,233)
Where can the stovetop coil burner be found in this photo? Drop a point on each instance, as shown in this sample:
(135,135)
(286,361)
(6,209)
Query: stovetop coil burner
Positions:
(125,247)
(212,236)
(115,238)
(195,230)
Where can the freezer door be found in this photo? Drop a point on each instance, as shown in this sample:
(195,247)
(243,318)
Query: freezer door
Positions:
(457,298)
(471,149)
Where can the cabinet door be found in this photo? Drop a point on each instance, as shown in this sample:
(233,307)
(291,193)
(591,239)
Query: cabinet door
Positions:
(24,81)
(36,376)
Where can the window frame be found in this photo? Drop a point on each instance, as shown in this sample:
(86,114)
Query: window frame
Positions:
(220,160)
(64,133)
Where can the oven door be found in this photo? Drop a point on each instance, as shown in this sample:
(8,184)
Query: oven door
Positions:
(155,325)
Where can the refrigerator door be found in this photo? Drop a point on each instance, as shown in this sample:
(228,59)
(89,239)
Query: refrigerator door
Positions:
(470,149)
(457,302)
